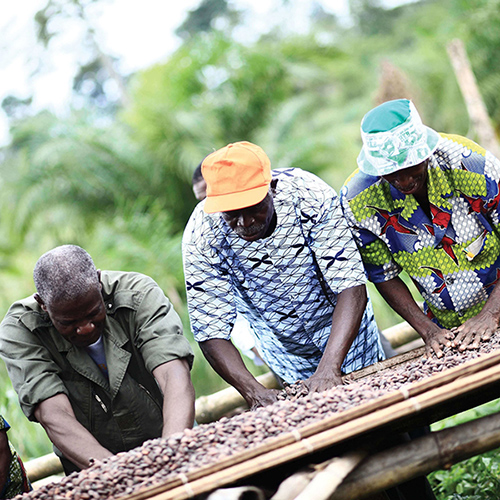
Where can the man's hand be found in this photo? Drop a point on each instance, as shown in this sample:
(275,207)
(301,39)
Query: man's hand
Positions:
(435,338)
(470,334)
(263,397)
(226,361)
(321,381)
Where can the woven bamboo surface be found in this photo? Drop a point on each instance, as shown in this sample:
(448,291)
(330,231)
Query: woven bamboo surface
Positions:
(458,382)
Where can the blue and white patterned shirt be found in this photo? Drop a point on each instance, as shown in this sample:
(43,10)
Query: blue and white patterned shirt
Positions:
(273,281)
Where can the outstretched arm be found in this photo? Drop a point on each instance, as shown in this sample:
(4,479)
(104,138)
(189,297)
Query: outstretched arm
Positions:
(346,320)
(175,383)
(226,361)
(74,441)
(398,296)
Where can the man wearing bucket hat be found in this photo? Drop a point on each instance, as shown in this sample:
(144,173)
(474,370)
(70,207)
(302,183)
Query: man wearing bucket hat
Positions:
(273,246)
(427,203)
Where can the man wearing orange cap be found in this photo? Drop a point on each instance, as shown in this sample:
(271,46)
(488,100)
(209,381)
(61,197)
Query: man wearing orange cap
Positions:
(274,247)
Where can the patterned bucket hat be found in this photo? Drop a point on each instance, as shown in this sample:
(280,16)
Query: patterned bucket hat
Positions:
(394,138)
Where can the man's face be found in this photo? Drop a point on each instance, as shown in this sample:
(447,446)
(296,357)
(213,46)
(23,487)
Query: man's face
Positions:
(80,321)
(411,180)
(251,223)
(200,189)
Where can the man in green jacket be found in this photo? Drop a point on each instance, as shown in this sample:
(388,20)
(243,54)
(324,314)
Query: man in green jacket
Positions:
(98,358)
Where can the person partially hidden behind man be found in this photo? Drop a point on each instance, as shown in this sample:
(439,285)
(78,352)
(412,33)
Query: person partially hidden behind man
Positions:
(98,358)
(13,478)
(427,203)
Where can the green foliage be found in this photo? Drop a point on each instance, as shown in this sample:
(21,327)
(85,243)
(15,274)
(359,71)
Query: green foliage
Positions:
(475,479)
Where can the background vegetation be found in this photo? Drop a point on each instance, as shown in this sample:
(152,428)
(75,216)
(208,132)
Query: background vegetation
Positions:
(114,174)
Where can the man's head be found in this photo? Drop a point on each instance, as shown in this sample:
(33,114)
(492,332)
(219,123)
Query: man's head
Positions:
(199,184)
(394,139)
(238,179)
(69,290)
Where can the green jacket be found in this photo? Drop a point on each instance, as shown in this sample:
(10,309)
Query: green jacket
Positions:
(142,331)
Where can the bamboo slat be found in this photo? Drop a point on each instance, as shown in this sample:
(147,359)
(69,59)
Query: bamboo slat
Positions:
(414,398)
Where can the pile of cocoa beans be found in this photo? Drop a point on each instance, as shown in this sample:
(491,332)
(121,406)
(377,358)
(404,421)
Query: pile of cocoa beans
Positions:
(159,460)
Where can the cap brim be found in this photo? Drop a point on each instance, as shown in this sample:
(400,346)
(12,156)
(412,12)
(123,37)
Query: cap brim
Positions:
(368,167)
(235,201)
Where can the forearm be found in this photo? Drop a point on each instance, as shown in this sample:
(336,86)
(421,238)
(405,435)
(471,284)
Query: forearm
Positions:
(74,441)
(346,320)
(5,458)
(398,296)
(227,362)
(178,395)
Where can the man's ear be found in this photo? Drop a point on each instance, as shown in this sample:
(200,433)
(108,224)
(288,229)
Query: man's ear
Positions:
(40,301)
(99,277)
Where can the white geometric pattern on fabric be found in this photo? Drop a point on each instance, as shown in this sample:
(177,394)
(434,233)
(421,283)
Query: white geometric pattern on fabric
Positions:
(273,281)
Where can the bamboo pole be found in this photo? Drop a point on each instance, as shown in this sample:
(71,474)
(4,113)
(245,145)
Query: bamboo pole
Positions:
(472,96)
(400,334)
(438,450)
(42,467)
(211,408)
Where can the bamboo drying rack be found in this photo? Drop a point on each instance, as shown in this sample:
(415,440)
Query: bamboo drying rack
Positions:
(440,394)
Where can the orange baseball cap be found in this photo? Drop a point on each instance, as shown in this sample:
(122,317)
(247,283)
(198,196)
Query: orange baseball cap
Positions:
(237,176)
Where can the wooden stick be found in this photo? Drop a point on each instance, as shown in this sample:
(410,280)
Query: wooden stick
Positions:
(326,481)
(472,96)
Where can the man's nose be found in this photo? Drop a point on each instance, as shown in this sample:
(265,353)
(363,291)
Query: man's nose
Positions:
(85,328)
(245,220)
(405,180)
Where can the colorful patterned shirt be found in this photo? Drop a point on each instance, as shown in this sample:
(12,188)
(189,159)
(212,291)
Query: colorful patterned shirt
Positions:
(454,259)
(273,281)
(17,479)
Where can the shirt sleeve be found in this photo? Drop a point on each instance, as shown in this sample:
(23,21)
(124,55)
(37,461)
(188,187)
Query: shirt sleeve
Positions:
(492,175)
(159,332)
(212,311)
(330,238)
(377,258)
(34,374)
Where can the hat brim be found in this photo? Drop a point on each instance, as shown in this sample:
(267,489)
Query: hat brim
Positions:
(367,166)
(235,201)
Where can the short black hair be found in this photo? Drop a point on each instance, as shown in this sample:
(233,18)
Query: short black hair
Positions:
(197,175)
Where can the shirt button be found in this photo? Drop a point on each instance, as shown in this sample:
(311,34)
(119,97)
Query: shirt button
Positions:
(110,306)
(439,246)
